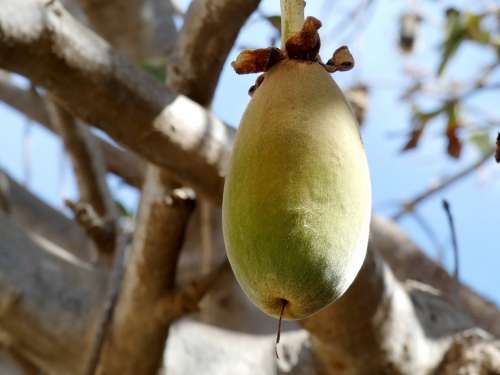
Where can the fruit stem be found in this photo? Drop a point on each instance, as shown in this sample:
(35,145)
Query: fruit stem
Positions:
(292,18)
(278,335)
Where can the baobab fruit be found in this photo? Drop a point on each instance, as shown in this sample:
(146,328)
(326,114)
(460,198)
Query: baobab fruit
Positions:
(297,201)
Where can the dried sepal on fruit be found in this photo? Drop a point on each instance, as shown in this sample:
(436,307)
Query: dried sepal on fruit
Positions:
(302,46)
(257,60)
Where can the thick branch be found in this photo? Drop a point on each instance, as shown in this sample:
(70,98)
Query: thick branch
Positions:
(209,31)
(47,45)
(139,28)
(45,222)
(137,336)
(48,303)
(409,262)
(197,167)
(124,164)
(199,61)
(186,299)
(376,328)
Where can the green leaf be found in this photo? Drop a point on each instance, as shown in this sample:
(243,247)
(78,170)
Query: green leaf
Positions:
(156,67)
(122,210)
(419,123)
(482,141)
(275,21)
(474,31)
(455,35)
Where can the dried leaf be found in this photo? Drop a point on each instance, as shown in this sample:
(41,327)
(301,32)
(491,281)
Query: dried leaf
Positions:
(454,143)
(420,121)
(454,147)
(415,136)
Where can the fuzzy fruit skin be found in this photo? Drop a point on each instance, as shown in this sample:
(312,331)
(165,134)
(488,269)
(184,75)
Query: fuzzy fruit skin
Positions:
(297,197)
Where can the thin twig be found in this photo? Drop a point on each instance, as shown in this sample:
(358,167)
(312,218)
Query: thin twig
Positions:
(114,288)
(4,193)
(456,259)
(278,334)
(497,151)
(410,205)
(89,169)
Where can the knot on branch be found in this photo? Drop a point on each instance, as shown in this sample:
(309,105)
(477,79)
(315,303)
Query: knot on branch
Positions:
(101,230)
(181,196)
(185,299)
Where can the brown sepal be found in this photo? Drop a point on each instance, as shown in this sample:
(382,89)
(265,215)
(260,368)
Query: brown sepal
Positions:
(341,60)
(305,44)
(257,60)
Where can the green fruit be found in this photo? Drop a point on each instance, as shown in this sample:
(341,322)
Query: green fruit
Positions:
(297,201)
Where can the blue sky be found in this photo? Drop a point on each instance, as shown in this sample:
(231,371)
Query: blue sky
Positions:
(395,176)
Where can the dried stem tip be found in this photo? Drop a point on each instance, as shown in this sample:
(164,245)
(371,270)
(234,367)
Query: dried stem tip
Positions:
(305,44)
(278,335)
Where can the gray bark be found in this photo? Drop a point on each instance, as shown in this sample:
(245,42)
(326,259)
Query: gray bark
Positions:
(44,43)
(48,302)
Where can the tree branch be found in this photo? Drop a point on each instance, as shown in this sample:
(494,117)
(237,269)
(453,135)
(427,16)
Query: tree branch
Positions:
(186,299)
(193,168)
(139,28)
(45,222)
(376,328)
(409,262)
(124,164)
(410,205)
(209,31)
(199,61)
(137,335)
(48,304)
(198,165)
(47,45)
(90,175)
